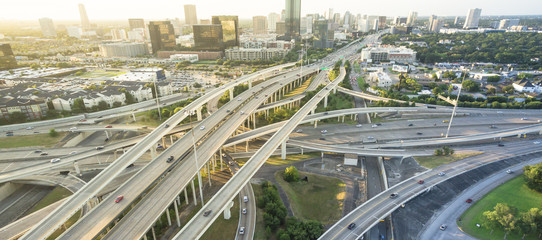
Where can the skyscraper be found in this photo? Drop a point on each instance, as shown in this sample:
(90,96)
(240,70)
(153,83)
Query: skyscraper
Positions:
(306,24)
(381,22)
(85,23)
(190,16)
(230,29)
(162,35)
(346,19)
(136,23)
(436,25)
(330,14)
(473,17)
(456,20)
(272,20)
(47,27)
(323,35)
(411,20)
(292,19)
(430,24)
(259,24)
(208,37)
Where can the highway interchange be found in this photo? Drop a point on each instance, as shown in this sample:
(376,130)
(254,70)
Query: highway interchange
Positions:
(153,189)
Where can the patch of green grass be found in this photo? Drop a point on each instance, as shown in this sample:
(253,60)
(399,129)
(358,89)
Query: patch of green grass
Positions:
(362,84)
(98,74)
(435,161)
(299,89)
(277,160)
(222,228)
(514,193)
(42,140)
(321,192)
(56,194)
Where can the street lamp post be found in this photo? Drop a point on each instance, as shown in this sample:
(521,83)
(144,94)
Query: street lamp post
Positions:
(455,106)
(196,158)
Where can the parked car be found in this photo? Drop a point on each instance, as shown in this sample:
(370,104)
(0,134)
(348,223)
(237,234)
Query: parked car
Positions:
(119,198)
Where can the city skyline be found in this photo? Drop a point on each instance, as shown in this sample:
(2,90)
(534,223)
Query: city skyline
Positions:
(34,9)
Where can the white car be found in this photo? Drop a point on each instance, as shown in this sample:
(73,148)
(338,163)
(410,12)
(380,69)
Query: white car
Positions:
(441,173)
(73,128)
(374,125)
(54,160)
(244,211)
(29,128)
(202,127)
(299,131)
(239,99)
(74,152)
(323,131)
(358,125)
(536,142)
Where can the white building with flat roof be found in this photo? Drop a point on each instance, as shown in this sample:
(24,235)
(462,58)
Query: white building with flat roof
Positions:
(255,53)
(381,79)
(123,49)
(184,57)
(385,54)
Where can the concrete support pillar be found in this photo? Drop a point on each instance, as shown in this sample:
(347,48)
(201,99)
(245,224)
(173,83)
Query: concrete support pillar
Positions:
(106,134)
(168,217)
(250,83)
(177,215)
(76,166)
(343,118)
(164,142)
(153,233)
(209,173)
(301,151)
(231,94)
(178,200)
(254,120)
(316,124)
(199,114)
(335,90)
(221,164)
(185,196)
(133,116)
(153,152)
(283,149)
(227,210)
(246,147)
(145,237)
(171,139)
(325,101)
(214,162)
(194,193)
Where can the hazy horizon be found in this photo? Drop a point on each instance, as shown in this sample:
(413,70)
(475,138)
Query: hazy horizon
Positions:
(100,10)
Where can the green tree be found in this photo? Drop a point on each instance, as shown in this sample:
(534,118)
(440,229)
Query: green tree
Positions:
(78,106)
(471,86)
(291,174)
(533,175)
(102,105)
(17,117)
(438,152)
(493,79)
(53,132)
(508,89)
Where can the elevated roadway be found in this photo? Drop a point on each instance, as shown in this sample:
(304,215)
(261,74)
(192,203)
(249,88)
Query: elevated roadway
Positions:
(198,224)
(229,117)
(52,222)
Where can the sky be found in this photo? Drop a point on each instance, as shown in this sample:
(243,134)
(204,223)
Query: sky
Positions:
(161,9)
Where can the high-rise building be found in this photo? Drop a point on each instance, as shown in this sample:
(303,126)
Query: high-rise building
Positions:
(430,24)
(330,14)
(346,19)
(162,35)
(293,19)
(306,24)
(473,17)
(259,24)
(190,16)
(137,34)
(272,20)
(118,34)
(337,18)
(373,22)
(208,37)
(323,35)
(508,23)
(282,15)
(230,29)
(436,25)
(7,59)
(85,23)
(381,22)
(281,28)
(123,49)
(397,21)
(363,25)
(456,20)
(411,20)
(136,23)
(47,27)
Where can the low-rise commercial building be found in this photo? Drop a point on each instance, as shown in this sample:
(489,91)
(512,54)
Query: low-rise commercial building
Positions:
(255,53)
(385,54)
(380,79)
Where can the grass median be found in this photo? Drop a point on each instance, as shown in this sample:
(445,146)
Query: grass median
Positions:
(435,161)
(41,140)
(322,192)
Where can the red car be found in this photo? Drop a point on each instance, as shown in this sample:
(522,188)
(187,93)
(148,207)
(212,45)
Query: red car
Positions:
(119,198)
(421,181)
(108,126)
(468,200)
